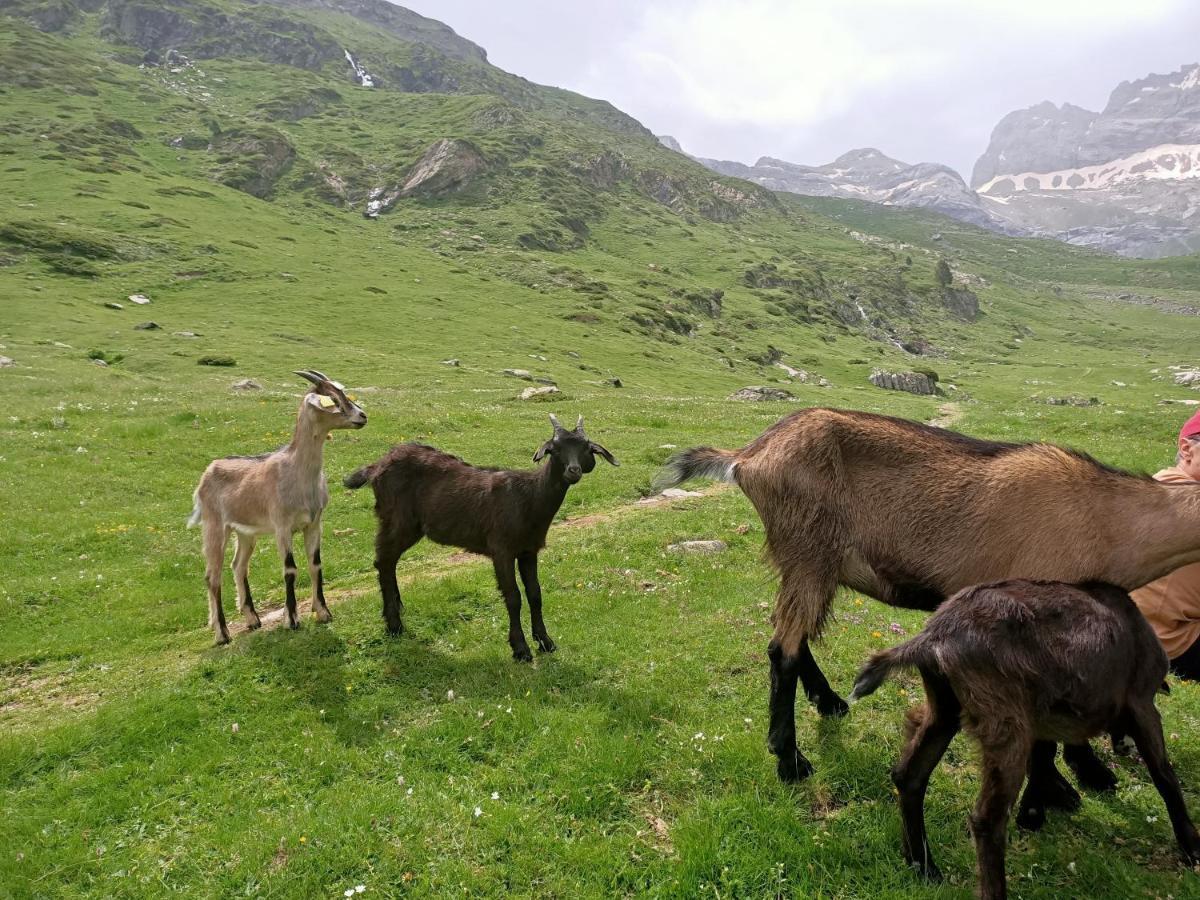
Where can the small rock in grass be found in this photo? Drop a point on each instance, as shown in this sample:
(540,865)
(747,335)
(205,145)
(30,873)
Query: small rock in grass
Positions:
(758,393)
(147,326)
(699,547)
(539,393)
(246,384)
(186,334)
(99,362)
(519,373)
(139,299)
(109,304)
(6,362)
(216,361)
(450,362)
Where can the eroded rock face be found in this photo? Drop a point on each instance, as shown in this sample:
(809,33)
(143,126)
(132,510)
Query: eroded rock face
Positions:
(253,159)
(758,394)
(912,382)
(447,166)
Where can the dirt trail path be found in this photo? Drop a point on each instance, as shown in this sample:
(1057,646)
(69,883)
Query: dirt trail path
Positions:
(948,414)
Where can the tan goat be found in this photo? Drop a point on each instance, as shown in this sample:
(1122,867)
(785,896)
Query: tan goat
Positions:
(910,514)
(276,493)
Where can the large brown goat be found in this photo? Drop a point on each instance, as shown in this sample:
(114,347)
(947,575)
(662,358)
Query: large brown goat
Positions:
(910,514)
(1020,665)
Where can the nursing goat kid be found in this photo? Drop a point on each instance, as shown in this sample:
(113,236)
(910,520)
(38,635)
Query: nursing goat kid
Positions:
(423,492)
(276,493)
(1021,665)
(910,514)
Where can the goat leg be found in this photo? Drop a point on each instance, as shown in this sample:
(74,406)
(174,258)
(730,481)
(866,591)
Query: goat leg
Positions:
(1003,772)
(816,686)
(1092,774)
(507,581)
(284,540)
(792,766)
(241,576)
(1145,727)
(312,549)
(1047,788)
(216,536)
(527,566)
(933,727)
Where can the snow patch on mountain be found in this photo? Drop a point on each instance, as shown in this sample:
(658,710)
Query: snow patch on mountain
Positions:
(1166,162)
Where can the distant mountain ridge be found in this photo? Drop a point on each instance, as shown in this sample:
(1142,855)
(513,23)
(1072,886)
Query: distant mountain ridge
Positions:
(1125,180)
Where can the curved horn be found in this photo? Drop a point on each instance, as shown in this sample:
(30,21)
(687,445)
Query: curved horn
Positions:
(321,375)
(579,425)
(310,376)
(557,424)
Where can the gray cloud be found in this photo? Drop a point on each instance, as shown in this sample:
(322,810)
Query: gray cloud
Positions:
(922,80)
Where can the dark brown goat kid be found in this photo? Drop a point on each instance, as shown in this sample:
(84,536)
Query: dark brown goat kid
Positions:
(910,514)
(500,513)
(1021,665)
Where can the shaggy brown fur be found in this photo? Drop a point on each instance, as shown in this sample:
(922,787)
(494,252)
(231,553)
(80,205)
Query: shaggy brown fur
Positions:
(504,514)
(909,514)
(1021,665)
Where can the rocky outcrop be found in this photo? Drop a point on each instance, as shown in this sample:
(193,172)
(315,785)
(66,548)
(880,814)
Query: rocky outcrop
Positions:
(447,166)
(912,382)
(758,394)
(1126,179)
(252,159)
(961,302)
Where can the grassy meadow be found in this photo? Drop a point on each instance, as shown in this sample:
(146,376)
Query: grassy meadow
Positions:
(136,760)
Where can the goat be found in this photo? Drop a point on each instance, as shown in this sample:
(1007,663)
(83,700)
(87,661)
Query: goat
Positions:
(1023,664)
(273,493)
(909,513)
(500,513)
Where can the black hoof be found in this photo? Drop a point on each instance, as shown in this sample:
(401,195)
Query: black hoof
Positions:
(1058,794)
(396,630)
(1031,818)
(1093,775)
(832,706)
(522,654)
(793,767)
(927,870)
(546,645)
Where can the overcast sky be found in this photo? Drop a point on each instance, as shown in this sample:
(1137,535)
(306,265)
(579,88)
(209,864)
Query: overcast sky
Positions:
(921,80)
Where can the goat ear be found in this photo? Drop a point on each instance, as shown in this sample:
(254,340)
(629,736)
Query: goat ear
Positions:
(596,448)
(542,451)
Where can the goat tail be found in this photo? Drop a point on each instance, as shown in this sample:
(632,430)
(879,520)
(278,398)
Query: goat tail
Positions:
(908,655)
(194,518)
(698,462)
(359,477)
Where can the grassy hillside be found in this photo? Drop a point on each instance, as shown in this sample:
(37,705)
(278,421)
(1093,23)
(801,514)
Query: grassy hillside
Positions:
(559,239)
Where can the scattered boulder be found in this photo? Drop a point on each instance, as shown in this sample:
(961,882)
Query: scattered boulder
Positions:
(453,363)
(523,374)
(539,393)
(147,326)
(186,334)
(1188,378)
(614,381)
(99,362)
(801,377)
(110,304)
(758,393)
(961,302)
(1168,402)
(7,362)
(668,494)
(139,299)
(912,382)
(1069,401)
(216,361)
(246,384)
(699,547)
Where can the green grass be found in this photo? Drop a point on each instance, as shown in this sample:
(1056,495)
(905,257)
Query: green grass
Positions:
(633,760)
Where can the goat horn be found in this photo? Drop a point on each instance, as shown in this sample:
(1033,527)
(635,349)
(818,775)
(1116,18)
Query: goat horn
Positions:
(321,375)
(557,424)
(310,376)
(579,425)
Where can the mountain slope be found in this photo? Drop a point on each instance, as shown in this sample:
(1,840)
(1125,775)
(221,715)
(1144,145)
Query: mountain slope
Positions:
(1123,179)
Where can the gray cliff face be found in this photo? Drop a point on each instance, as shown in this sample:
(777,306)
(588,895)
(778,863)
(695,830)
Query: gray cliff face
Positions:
(1126,179)
(868,174)
(1039,139)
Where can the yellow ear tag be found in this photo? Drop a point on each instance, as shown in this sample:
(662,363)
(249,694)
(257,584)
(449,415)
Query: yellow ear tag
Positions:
(326,402)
